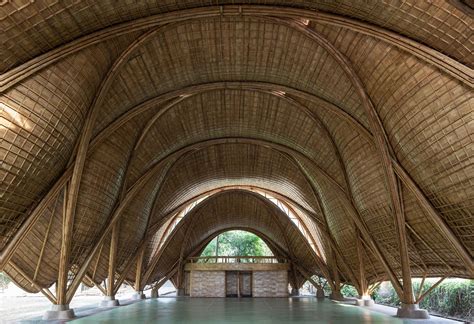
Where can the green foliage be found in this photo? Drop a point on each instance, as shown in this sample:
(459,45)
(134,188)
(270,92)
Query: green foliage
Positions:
(349,291)
(4,281)
(452,298)
(386,295)
(234,243)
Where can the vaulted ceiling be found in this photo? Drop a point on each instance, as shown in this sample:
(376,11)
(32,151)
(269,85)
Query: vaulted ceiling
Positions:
(117,116)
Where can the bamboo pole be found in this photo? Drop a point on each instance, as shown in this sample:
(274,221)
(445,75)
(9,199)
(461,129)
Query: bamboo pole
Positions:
(437,283)
(407,297)
(44,291)
(112,259)
(363,282)
(420,290)
(63,271)
(138,274)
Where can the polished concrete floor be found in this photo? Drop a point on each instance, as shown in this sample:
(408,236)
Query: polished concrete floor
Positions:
(233,310)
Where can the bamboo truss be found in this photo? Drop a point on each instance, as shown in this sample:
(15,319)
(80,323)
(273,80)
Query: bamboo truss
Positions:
(358,125)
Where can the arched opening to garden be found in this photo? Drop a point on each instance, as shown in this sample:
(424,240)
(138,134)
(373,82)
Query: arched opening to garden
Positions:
(236,243)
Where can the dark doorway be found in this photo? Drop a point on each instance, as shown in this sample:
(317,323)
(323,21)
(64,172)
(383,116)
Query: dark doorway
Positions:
(231,284)
(238,284)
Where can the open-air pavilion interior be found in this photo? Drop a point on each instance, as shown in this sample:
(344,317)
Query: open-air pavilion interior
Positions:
(134,132)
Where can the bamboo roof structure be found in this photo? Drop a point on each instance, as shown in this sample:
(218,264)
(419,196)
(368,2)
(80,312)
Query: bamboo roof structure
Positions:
(120,118)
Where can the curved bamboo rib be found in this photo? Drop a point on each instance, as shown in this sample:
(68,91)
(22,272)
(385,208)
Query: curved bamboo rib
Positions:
(441,61)
(185,226)
(339,143)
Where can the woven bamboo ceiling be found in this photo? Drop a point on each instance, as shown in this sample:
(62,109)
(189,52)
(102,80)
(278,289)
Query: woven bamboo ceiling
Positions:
(117,116)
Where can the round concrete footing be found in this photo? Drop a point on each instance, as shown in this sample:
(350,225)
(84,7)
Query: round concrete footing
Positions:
(364,302)
(180,292)
(139,295)
(154,294)
(59,312)
(369,302)
(412,311)
(109,302)
(320,293)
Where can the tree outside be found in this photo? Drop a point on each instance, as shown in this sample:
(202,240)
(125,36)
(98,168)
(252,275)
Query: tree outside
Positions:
(4,281)
(237,243)
(453,298)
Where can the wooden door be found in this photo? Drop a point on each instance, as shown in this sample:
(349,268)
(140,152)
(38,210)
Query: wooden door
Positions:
(245,284)
(231,284)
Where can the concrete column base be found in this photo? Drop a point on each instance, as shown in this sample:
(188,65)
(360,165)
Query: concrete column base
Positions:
(139,295)
(180,292)
(109,301)
(367,302)
(59,312)
(412,311)
(295,292)
(154,293)
(320,293)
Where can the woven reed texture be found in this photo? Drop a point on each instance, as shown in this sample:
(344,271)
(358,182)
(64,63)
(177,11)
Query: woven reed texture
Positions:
(228,98)
(33,28)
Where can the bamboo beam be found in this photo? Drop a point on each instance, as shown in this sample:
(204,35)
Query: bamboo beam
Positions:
(44,291)
(257,86)
(162,281)
(412,247)
(428,247)
(156,257)
(437,283)
(322,266)
(421,286)
(421,51)
(384,152)
(435,217)
(79,275)
(124,273)
(365,232)
(26,227)
(40,258)
(78,167)
(307,276)
(97,261)
(374,287)
(102,289)
(367,250)
(115,216)
(358,126)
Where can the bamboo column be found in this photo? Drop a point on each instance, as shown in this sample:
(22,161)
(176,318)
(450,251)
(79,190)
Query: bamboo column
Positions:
(336,287)
(408,296)
(67,225)
(363,289)
(112,261)
(139,276)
